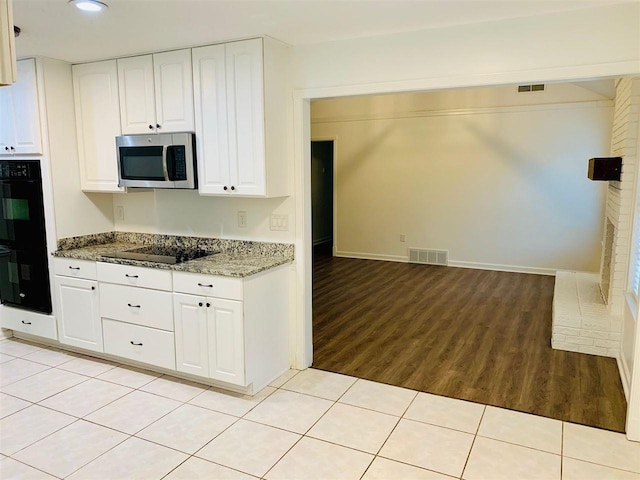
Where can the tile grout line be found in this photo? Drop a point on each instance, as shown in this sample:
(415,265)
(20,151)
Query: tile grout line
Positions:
(30,466)
(475,436)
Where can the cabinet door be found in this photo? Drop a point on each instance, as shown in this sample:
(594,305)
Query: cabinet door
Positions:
(79,313)
(210,87)
(26,113)
(95,91)
(246,117)
(190,317)
(174,91)
(7,133)
(137,97)
(225,331)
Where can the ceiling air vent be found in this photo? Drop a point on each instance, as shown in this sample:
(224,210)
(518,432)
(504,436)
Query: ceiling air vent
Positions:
(539,87)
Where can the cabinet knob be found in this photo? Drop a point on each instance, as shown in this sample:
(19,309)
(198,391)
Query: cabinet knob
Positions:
(158,125)
(150,127)
(208,304)
(93,288)
(233,188)
(6,148)
(13,148)
(225,188)
(200,304)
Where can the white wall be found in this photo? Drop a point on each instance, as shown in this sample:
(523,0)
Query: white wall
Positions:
(569,45)
(184,212)
(496,187)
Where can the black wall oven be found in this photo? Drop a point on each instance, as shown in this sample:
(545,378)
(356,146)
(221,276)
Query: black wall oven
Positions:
(24,272)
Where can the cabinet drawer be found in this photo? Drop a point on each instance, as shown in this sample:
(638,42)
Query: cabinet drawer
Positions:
(143,344)
(28,322)
(134,276)
(70,267)
(220,287)
(141,306)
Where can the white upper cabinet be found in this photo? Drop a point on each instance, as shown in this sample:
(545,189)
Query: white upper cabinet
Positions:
(98,124)
(137,97)
(156,93)
(240,106)
(20,114)
(212,142)
(174,91)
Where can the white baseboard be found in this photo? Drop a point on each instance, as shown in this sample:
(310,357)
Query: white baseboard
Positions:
(372,256)
(478,266)
(625,376)
(503,268)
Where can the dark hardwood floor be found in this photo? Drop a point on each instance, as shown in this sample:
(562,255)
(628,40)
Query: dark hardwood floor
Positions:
(476,335)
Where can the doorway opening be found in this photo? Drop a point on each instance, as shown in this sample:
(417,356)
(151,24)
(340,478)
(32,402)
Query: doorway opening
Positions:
(322,197)
(492,177)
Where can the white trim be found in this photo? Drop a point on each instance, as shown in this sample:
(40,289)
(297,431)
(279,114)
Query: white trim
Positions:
(465,111)
(625,375)
(452,263)
(373,256)
(504,268)
(574,73)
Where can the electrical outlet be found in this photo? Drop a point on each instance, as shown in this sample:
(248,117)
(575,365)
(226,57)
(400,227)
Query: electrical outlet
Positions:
(120,212)
(242,219)
(403,237)
(280,223)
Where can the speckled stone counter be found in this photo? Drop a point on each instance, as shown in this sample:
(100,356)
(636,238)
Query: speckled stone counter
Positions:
(236,258)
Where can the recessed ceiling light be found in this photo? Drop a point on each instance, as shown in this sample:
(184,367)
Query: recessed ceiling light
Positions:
(89,5)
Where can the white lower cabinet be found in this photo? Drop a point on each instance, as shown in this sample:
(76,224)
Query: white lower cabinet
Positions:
(232,330)
(142,344)
(190,317)
(210,337)
(79,313)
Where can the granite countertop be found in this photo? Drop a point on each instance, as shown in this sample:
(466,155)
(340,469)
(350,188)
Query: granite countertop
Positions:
(236,258)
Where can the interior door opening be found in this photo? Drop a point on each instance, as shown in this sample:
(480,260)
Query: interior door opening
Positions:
(322,194)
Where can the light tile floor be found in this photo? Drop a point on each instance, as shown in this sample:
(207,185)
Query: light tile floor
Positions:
(69,416)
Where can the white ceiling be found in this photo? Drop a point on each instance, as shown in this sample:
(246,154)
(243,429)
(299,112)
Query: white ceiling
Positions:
(55,29)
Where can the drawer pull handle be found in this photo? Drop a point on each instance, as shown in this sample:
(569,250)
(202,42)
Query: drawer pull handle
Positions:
(203,285)
(26,323)
(133,306)
(130,276)
(136,344)
(74,268)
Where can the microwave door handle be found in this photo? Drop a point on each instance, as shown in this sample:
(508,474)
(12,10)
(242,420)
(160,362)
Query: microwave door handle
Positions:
(164,162)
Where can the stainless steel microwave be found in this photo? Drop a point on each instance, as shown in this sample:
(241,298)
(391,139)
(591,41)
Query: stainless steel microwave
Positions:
(166,160)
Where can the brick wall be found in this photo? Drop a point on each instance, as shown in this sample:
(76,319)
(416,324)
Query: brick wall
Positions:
(624,143)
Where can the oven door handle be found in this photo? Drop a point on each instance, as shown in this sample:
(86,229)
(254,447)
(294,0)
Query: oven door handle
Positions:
(164,162)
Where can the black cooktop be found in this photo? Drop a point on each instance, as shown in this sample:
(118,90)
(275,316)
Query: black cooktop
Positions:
(160,254)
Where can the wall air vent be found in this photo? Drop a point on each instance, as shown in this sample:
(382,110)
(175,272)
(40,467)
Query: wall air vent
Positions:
(539,87)
(429,257)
